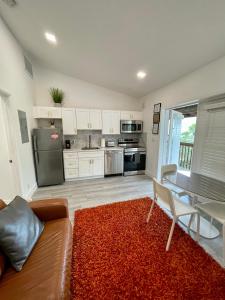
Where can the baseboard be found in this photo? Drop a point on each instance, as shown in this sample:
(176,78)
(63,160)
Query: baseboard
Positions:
(148,173)
(29,194)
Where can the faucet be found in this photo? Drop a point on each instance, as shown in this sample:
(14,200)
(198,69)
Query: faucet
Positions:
(89,141)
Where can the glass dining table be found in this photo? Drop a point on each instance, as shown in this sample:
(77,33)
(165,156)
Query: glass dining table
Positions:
(201,188)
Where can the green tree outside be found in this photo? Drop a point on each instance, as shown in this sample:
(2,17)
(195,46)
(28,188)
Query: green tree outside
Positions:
(188,135)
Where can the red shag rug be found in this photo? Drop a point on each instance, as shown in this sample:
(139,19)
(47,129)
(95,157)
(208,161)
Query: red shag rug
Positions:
(116,255)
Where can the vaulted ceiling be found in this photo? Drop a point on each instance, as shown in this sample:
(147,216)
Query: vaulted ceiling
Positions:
(107,41)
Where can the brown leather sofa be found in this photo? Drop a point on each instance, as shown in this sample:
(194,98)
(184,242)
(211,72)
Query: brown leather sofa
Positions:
(46,273)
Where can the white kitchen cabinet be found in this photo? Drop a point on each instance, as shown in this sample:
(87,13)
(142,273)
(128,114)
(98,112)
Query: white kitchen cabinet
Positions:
(89,119)
(97,166)
(95,117)
(131,115)
(85,167)
(91,163)
(83,121)
(110,122)
(44,112)
(69,121)
(70,165)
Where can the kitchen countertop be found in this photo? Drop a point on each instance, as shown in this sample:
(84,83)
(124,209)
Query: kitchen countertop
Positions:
(100,149)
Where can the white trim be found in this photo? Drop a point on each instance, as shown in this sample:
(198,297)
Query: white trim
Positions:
(29,194)
(148,173)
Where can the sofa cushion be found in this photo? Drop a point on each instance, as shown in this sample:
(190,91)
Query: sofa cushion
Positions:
(2,256)
(19,231)
(46,274)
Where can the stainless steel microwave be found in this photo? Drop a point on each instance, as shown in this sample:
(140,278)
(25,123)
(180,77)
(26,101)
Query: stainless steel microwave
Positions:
(127,126)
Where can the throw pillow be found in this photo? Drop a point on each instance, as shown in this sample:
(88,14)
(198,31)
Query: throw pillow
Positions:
(19,231)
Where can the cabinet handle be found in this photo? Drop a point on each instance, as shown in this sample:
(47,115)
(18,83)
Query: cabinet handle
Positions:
(90,125)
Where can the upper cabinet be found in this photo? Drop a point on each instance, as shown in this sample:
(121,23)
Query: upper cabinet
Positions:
(69,121)
(110,122)
(89,119)
(131,115)
(44,112)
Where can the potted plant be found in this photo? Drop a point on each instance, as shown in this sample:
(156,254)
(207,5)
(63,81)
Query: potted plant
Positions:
(57,96)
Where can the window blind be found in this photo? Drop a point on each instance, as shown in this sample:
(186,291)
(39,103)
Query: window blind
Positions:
(209,152)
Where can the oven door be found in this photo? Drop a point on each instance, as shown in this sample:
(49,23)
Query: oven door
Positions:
(134,163)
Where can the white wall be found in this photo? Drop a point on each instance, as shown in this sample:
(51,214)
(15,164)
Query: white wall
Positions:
(203,83)
(15,82)
(79,93)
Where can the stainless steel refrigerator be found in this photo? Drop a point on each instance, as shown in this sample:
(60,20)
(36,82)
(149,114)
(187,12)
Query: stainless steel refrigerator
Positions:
(48,156)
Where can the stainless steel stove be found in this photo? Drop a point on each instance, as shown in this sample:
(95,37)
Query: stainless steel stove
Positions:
(134,156)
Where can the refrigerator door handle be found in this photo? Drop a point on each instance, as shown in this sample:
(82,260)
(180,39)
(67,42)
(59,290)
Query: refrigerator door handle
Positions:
(36,157)
(35,142)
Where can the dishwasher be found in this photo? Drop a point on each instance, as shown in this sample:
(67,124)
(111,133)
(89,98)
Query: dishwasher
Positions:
(113,162)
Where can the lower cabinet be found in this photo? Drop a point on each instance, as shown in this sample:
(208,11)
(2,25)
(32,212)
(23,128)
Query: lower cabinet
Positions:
(91,163)
(83,164)
(70,165)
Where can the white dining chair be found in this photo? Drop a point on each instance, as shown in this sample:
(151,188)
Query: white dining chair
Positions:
(171,169)
(175,206)
(216,210)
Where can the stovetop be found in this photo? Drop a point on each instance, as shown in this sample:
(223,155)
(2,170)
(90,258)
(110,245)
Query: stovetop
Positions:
(131,145)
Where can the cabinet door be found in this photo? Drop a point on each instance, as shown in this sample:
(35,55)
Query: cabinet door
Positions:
(96,119)
(69,121)
(44,112)
(40,112)
(83,120)
(85,167)
(115,122)
(106,122)
(55,113)
(125,115)
(97,165)
(137,115)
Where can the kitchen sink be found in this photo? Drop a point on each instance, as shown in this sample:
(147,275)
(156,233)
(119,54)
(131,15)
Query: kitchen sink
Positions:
(91,148)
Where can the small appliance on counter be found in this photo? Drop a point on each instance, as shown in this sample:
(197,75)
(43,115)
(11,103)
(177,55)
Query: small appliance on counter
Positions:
(67,144)
(110,143)
(102,143)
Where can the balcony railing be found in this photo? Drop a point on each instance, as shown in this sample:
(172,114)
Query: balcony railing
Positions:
(185,155)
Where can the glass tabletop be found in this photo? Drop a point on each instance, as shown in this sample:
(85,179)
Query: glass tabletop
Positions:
(200,185)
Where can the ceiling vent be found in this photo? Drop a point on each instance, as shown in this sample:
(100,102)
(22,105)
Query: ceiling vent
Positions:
(28,66)
(10,3)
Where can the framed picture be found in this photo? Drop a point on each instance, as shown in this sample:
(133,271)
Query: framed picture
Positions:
(156,118)
(157,108)
(155,129)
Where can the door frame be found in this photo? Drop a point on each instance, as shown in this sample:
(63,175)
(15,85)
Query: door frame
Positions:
(11,140)
(163,139)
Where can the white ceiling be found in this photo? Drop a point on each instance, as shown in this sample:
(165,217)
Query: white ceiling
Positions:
(107,41)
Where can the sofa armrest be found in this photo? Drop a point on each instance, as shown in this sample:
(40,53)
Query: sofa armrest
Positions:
(50,209)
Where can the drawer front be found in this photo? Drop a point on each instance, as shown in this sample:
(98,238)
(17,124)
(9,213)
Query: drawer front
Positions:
(71,173)
(70,155)
(70,163)
(91,154)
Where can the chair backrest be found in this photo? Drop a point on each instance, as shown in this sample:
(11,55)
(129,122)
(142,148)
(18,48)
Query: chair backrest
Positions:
(170,169)
(165,195)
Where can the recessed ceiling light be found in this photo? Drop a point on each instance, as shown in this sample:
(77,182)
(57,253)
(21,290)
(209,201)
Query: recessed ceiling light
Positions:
(141,74)
(51,38)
